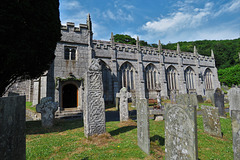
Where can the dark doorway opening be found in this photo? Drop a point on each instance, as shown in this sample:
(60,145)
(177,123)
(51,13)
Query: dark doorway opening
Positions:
(69,93)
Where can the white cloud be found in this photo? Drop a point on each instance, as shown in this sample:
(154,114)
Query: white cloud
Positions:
(232,6)
(179,20)
(118,15)
(69,5)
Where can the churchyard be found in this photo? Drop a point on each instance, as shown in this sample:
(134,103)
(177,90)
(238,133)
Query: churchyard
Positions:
(66,140)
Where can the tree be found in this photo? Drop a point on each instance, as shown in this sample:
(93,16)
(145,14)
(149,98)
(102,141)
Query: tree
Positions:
(124,39)
(29,32)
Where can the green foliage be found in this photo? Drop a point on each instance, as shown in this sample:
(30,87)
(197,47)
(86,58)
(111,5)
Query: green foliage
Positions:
(120,38)
(229,76)
(29,32)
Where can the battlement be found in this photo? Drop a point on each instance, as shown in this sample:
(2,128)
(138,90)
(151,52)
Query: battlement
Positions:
(71,27)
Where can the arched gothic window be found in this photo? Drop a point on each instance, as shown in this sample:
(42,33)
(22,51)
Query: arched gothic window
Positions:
(69,53)
(208,76)
(107,82)
(172,78)
(189,78)
(151,77)
(127,73)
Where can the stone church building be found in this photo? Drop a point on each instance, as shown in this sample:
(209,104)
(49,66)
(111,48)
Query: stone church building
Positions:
(144,71)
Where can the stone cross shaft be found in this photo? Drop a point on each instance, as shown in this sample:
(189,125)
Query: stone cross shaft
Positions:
(47,108)
(124,95)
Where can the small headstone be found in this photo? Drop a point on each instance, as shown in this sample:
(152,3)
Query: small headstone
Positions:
(133,98)
(236,133)
(159,100)
(117,100)
(180,132)
(94,108)
(143,125)
(12,128)
(200,99)
(219,101)
(234,99)
(211,121)
(47,108)
(124,95)
(187,99)
(173,96)
(158,118)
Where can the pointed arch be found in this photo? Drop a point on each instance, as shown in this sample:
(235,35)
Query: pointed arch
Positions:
(208,79)
(127,74)
(172,78)
(189,76)
(152,77)
(107,81)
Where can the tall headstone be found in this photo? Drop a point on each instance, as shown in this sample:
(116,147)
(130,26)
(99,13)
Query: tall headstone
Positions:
(133,98)
(236,133)
(219,101)
(180,132)
(187,99)
(12,128)
(47,108)
(124,95)
(143,125)
(211,121)
(234,99)
(94,109)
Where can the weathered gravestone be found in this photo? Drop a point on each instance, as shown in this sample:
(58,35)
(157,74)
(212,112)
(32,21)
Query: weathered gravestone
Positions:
(94,109)
(187,99)
(47,108)
(124,95)
(200,99)
(180,132)
(133,98)
(234,99)
(173,96)
(236,133)
(143,125)
(117,101)
(219,101)
(12,128)
(211,121)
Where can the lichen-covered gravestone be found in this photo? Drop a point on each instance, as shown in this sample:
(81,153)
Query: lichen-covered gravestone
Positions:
(187,99)
(47,108)
(211,121)
(143,125)
(234,99)
(124,95)
(236,133)
(180,132)
(94,108)
(219,101)
(12,128)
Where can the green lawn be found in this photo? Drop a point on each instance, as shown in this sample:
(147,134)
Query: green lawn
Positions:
(66,141)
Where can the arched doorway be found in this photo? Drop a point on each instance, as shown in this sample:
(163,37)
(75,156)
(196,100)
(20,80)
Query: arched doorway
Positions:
(69,96)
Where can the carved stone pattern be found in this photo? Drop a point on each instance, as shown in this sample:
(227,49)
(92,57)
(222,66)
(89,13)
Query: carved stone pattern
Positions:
(96,117)
(95,81)
(179,135)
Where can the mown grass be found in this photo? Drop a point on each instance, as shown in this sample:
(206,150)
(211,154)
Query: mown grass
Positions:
(30,107)
(66,141)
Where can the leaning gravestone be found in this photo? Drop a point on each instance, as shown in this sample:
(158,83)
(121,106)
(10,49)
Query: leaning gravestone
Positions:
(187,99)
(47,108)
(180,132)
(236,133)
(143,125)
(12,128)
(94,109)
(211,121)
(124,95)
(219,101)
(234,99)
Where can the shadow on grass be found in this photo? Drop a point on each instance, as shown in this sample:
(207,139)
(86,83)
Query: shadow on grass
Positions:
(122,130)
(158,138)
(35,127)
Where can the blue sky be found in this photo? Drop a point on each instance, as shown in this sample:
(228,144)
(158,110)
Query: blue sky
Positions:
(153,20)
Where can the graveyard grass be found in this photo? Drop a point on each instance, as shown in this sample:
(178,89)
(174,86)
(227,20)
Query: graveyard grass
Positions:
(66,141)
